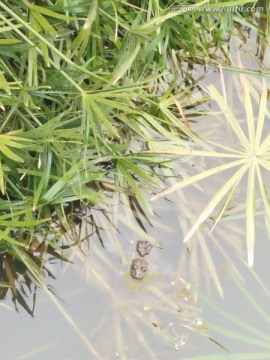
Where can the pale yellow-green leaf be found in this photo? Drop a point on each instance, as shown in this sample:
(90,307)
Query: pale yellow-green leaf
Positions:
(250,213)
(4,84)
(124,64)
(8,28)
(262,186)
(264,163)
(264,147)
(224,207)
(32,67)
(2,184)
(9,41)
(102,117)
(248,108)
(214,93)
(137,170)
(13,141)
(10,240)
(194,179)
(34,25)
(220,194)
(83,38)
(10,154)
(44,11)
(44,23)
(45,53)
(19,223)
(153,23)
(262,112)
(89,119)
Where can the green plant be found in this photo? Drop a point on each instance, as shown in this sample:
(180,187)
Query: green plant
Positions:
(249,155)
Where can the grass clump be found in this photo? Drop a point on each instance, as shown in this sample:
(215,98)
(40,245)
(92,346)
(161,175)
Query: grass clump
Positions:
(85,89)
(96,101)
(77,106)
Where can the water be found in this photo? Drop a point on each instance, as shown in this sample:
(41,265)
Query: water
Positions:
(99,312)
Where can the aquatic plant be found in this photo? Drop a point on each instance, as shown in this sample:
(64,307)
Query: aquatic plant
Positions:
(248,155)
(88,91)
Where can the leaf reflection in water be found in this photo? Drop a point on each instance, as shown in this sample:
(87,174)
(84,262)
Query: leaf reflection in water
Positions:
(130,307)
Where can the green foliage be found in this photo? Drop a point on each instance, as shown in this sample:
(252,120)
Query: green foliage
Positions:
(95,106)
(79,87)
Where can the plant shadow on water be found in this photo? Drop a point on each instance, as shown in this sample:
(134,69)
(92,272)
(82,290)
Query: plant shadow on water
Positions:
(227,233)
(155,311)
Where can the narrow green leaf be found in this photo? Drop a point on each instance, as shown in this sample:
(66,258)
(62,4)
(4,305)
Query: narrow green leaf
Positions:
(43,10)
(136,169)
(9,41)
(157,21)
(4,84)
(44,23)
(9,240)
(124,64)
(2,184)
(17,223)
(58,187)
(132,183)
(83,38)
(32,75)
(13,141)
(100,114)
(88,120)
(8,153)
(8,28)
(50,46)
